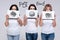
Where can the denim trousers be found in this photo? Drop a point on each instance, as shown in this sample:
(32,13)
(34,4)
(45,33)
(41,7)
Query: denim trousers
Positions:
(13,37)
(47,36)
(31,36)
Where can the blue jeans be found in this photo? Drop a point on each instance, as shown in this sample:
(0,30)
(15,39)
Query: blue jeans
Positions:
(12,37)
(47,36)
(31,36)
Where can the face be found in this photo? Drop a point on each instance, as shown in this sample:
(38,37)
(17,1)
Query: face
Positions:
(47,8)
(13,8)
(32,8)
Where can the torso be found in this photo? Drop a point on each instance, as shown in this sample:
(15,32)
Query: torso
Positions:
(31,26)
(47,27)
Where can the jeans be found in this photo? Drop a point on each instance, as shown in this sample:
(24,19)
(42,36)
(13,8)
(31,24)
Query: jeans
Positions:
(12,37)
(47,36)
(31,36)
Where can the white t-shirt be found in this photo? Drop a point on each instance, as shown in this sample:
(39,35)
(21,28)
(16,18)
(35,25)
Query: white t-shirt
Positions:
(47,27)
(13,28)
(31,26)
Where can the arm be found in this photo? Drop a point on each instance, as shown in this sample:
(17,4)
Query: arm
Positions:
(54,21)
(40,21)
(6,22)
(19,21)
(25,20)
(36,22)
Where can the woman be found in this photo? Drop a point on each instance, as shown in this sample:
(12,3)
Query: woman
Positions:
(31,26)
(13,31)
(47,27)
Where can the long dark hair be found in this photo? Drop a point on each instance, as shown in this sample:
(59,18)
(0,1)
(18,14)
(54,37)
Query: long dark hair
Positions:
(32,5)
(15,6)
(47,5)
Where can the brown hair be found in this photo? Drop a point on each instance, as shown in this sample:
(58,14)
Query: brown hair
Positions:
(47,5)
(32,5)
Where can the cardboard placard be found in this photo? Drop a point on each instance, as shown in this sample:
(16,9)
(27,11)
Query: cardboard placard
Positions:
(31,14)
(48,15)
(13,14)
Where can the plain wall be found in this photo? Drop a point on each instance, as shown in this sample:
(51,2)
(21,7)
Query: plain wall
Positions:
(5,4)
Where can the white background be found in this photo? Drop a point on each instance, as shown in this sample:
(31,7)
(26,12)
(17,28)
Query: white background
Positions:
(5,4)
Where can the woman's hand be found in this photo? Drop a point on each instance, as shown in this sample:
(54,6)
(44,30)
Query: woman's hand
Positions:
(19,21)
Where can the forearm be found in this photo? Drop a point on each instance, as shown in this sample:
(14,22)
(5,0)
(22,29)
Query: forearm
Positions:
(25,22)
(37,22)
(6,23)
(54,23)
